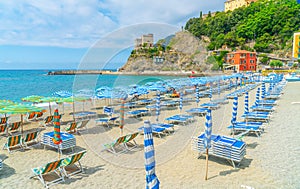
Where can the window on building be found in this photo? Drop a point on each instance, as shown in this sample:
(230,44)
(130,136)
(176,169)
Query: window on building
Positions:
(251,54)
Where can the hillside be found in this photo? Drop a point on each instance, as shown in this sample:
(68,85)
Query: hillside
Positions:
(264,26)
(183,51)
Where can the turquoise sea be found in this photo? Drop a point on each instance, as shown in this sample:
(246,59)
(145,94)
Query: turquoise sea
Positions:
(16,84)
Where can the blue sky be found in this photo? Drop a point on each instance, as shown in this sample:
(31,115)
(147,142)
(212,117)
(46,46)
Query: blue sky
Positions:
(59,34)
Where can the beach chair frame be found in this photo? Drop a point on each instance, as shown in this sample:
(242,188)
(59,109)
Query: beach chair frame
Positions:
(13,143)
(73,160)
(49,168)
(111,147)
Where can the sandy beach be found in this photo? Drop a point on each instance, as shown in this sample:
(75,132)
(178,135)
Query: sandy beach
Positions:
(271,160)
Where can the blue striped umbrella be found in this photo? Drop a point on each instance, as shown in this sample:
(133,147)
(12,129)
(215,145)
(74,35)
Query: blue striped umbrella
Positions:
(208,129)
(157,105)
(257,97)
(246,111)
(263,90)
(210,91)
(181,101)
(236,83)
(197,95)
(234,110)
(152,181)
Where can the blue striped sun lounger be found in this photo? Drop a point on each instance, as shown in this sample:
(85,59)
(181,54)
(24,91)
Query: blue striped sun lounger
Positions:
(211,106)
(197,111)
(262,108)
(180,118)
(262,118)
(137,113)
(106,120)
(155,130)
(257,129)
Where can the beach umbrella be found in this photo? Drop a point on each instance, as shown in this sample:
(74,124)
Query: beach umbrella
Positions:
(152,181)
(197,95)
(20,109)
(49,100)
(180,101)
(257,96)
(157,105)
(207,136)
(234,112)
(32,98)
(236,82)
(72,100)
(56,137)
(122,113)
(210,91)
(246,110)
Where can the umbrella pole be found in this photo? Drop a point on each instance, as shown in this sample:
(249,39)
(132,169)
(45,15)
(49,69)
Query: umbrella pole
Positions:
(73,111)
(206,173)
(50,108)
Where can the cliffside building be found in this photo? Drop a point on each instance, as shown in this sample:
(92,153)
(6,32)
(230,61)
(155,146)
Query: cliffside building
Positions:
(144,41)
(242,60)
(230,5)
(296,46)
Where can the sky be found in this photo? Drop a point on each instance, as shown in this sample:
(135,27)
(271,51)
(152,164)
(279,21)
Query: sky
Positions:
(59,34)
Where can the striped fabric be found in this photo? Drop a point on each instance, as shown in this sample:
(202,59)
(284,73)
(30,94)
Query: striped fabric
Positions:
(219,88)
(56,138)
(39,114)
(122,114)
(31,115)
(157,106)
(263,90)
(181,101)
(197,95)
(13,140)
(246,110)
(234,110)
(30,136)
(73,159)
(3,120)
(72,127)
(3,128)
(257,96)
(152,181)
(48,167)
(210,91)
(208,129)
(48,119)
(14,126)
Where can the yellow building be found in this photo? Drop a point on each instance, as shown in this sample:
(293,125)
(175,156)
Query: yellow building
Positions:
(296,46)
(230,5)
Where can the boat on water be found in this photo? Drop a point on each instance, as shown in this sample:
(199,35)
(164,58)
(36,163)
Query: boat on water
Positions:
(292,77)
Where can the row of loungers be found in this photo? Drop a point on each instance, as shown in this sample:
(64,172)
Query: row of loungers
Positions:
(180,118)
(241,91)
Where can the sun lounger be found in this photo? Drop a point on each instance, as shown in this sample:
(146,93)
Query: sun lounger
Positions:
(211,106)
(47,121)
(167,126)
(3,129)
(73,160)
(180,118)
(119,142)
(262,108)
(144,102)
(158,130)
(30,139)
(52,167)
(261,118)
(224,147)
(30,116)
(3,120)
(250,128)
(15,126)
(107,121)
(197,111)
(137,113)
(13,143)
(130,142)
(83,124)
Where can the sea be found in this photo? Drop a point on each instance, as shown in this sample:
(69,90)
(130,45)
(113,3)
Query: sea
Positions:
(17,84)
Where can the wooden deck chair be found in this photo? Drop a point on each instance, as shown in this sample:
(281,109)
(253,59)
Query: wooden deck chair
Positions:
(72,126)
(119,142)
(69,166)
(47,121)
(47,169)
(130,140)
(31,116)
(13,143)
(14,126)
(30,139)
(3,129)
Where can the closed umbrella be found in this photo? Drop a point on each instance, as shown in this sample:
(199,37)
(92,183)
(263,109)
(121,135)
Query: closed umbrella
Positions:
(152,181)
(197,95)
(210,91)
(246,110)
(257,96)
(234,112)
(207,134)
(157,105)
(56,137)
(263,90)
(181,101)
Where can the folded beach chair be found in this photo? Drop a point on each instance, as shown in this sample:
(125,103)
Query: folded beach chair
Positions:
(72,161)
(15,126)
(53,168)
(13,143)
(71,127)
(30,139)
(107,121)
(119,142)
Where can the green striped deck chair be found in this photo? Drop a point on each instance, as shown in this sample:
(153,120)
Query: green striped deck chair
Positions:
(3,129)
(112,146)
(13,143)
(70,162)
(3,120)
(50,168)
(14,126)
(72,126)
(47,121)
(30,139)
(130,140)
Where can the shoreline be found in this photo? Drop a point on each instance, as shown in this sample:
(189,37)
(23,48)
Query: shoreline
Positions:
(147,73)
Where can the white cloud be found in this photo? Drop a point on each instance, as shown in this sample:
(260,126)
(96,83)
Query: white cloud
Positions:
(73,23)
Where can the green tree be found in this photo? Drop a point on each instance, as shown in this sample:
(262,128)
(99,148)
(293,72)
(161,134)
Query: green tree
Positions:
(263,58)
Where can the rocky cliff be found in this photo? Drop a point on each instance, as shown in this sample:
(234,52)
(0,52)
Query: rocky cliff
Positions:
(184,52)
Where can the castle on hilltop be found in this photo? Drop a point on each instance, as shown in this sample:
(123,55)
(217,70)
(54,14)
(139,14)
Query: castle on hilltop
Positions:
(230,5)
(144,41)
